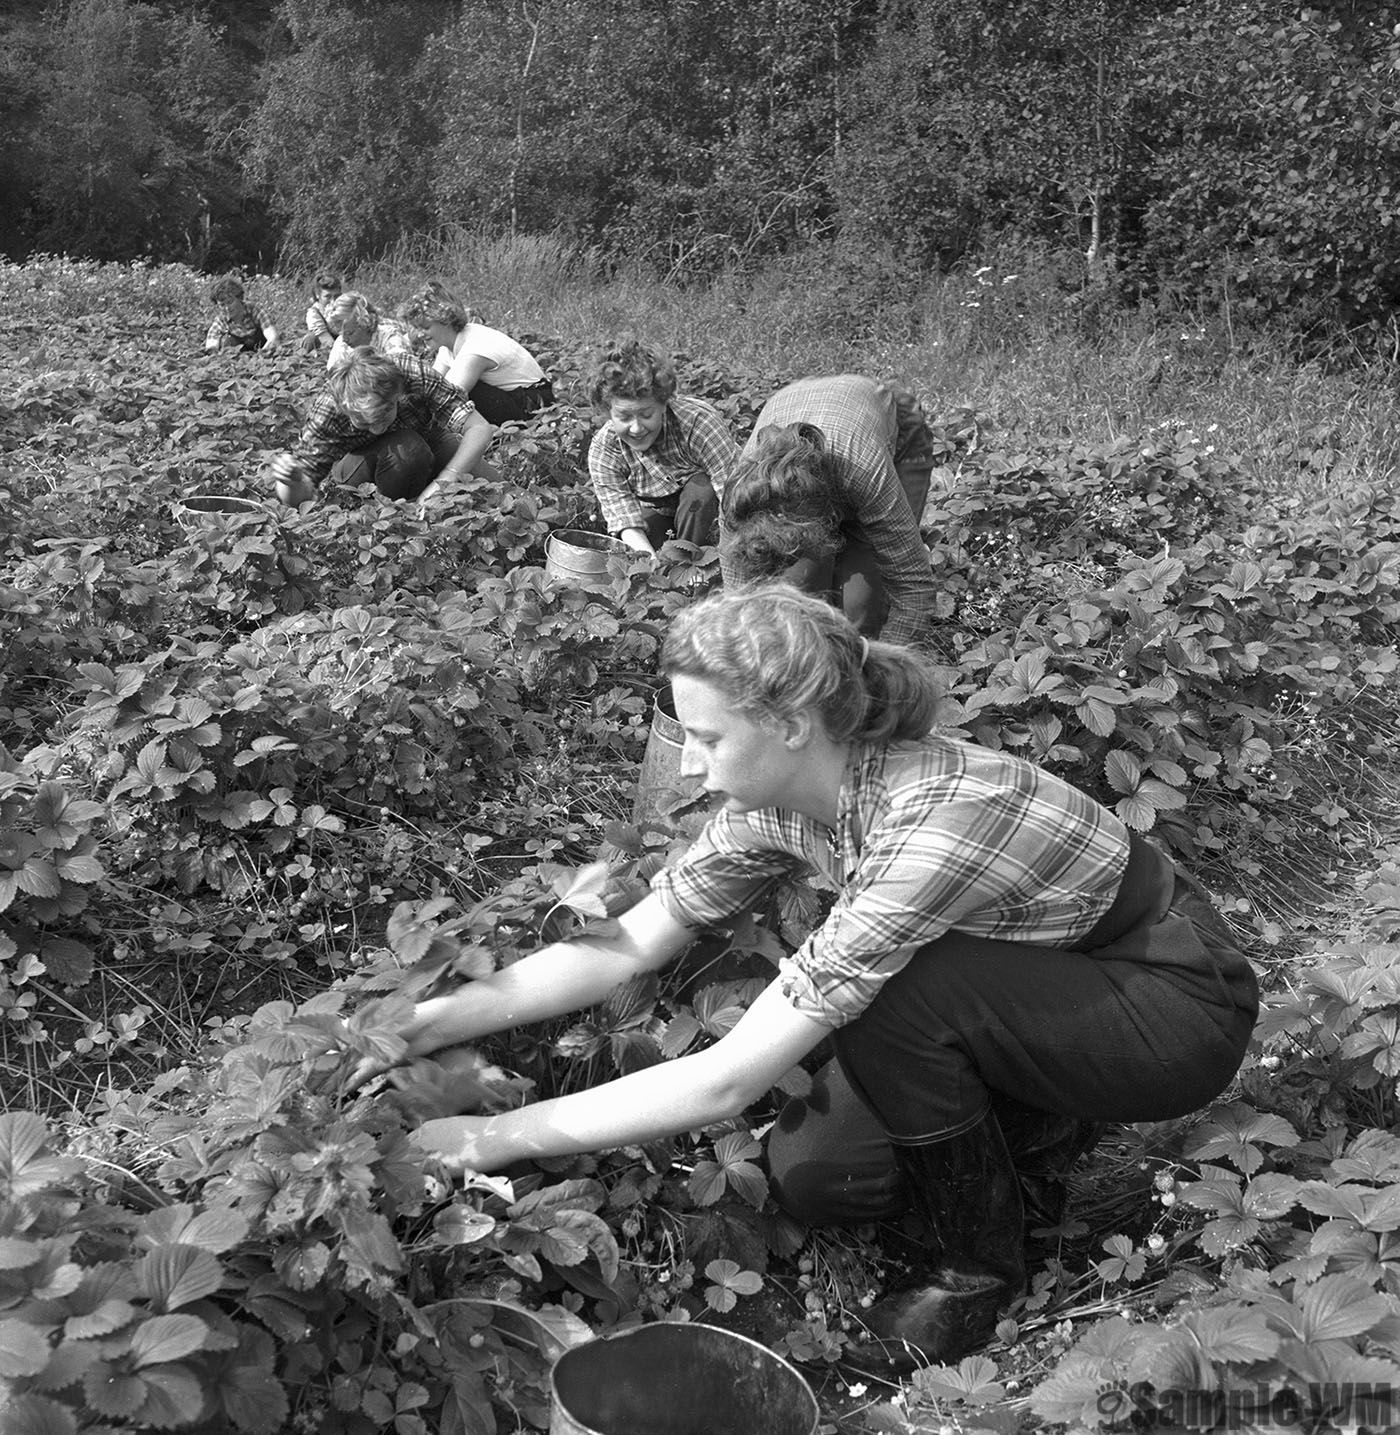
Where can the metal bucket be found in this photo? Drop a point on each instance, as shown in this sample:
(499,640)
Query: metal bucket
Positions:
(664,798)
(192,513)
(678,1379)
(579,559)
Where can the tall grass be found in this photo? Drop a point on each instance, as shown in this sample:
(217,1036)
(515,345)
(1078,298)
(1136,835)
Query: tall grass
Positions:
(1021,342)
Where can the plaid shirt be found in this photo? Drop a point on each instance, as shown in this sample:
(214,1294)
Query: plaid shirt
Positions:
(931,836)
(694,442)
(429,405)
(249,335)
(858,418)
(316,323)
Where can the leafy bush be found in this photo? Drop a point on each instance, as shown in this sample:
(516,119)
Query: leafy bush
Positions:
(315,764)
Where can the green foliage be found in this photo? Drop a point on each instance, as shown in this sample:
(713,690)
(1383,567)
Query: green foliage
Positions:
(130,110)
(338,136)
(970,120)
(1232,156)
(258,1270)
(1274,190)
(248,756)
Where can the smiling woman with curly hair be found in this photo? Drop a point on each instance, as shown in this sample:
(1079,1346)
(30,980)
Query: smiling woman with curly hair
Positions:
(661,459)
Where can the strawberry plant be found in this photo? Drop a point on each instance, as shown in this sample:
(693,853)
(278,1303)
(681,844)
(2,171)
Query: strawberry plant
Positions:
(266,778)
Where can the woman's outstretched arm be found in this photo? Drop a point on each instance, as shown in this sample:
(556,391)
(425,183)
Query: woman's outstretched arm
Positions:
(557,979)
(673,1096)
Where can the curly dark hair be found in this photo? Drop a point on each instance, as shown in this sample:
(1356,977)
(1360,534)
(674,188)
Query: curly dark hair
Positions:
(227,287)
(629,369)
(782,504)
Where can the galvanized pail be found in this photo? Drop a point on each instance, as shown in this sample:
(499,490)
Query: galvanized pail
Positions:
(575,558)
(663,797)
(194,512)
(678,1379)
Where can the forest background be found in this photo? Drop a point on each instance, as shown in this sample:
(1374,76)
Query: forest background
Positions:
(1140,260)
(1242,155)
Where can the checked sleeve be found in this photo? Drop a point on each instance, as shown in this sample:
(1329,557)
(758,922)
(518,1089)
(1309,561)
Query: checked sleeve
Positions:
(326,437)
(612,483)
(884,518)
(709,441)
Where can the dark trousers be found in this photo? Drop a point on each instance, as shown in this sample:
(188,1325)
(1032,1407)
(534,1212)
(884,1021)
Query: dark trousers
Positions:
(1150,1021)
(503,406)
(400,464)
(849,579)
(692,515)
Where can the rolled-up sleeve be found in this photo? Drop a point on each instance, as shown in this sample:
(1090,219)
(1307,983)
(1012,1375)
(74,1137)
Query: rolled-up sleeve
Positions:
(884,914)
(882,512)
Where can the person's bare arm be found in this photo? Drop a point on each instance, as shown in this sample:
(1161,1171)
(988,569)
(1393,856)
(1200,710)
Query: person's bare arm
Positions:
(471,452)
(670,1097)
(637,538)
(560,978)
(467,369)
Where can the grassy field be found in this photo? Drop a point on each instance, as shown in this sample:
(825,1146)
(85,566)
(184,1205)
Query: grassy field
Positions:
(294,759)
(1019,343)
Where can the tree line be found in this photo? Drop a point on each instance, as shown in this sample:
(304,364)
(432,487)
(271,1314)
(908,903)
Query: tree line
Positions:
(1243,153)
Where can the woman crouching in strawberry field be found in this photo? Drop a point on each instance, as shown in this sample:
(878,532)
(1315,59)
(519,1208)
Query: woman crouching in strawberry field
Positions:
(1005,965)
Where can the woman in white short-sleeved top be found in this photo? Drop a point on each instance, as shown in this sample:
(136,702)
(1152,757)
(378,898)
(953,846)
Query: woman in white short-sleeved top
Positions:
(500,376)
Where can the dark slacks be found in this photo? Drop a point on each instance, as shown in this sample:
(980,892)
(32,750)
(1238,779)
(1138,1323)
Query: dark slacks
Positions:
(1150,1021)
(503,406)
(400,464)
(691,514)
(849,579)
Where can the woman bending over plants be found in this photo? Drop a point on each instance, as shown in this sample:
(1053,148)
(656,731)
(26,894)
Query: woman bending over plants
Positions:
(358,323)
(395,424)
(1005,964)
(500,376)
(828,494)
(661,459)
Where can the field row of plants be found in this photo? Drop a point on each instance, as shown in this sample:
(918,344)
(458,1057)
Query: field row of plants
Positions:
(263,781)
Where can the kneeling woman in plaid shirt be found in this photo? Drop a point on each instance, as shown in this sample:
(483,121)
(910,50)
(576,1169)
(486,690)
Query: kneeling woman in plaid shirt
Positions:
(660,462)
(1004,965)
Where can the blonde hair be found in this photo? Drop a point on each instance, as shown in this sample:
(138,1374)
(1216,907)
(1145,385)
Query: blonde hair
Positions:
(775,651)
(364,384)
(351,305)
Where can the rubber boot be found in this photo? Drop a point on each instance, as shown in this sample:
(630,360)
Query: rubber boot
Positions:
(965,1189)
(1044,1147)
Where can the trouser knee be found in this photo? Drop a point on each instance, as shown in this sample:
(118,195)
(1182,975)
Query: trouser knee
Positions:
(828,1161)
(400,465)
